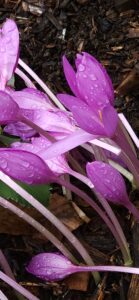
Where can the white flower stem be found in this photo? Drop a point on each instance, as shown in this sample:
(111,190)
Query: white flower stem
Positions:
(112,222)
(40,228)
(41,83)
(26,79)
(129,129)
(17,287)
(52,218)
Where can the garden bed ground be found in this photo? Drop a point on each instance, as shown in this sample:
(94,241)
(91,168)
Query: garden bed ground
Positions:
(110,31)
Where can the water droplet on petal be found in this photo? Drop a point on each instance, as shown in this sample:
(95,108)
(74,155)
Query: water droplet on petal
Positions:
(25,164)
(93,77)
(81,68)
(3,163)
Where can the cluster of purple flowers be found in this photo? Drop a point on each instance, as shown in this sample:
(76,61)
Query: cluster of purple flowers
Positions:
(92,110)
(48,133)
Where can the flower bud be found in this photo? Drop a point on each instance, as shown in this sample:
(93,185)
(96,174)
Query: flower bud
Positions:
(107,181)
(50,266)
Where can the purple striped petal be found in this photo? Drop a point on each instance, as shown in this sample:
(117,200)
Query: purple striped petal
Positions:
(70,76)
(39,146)
(24,166)
(30,98)
(110,120)
(9,47)
(100,123)
(57,121)
(93,82)
(107,181)
(8,108)
(19,129)
(50,266)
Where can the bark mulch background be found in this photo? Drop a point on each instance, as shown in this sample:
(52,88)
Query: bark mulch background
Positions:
(110,31)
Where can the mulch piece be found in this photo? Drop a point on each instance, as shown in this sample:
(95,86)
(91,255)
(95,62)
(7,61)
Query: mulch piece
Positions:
(109,30)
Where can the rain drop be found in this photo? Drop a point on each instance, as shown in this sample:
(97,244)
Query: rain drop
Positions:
(81,68)
(3,163)
(25,164)
(93,77)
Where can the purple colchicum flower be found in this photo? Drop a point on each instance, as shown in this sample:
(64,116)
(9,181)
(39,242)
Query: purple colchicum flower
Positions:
(55,267)
(107,181)
(38,145)
(37,107)
(98,122)
(24,166)
(90,82)
(19,129)
(29,98)
(110,184)
(9,47)
(50,266)
(8,109)
(92,107)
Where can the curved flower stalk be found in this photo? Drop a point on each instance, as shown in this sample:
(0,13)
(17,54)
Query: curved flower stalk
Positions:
(5,266)
(3,297)
(53,219)
(17,287)
(129,160)
(41,83)
(55,267)
(60,166)
(122,139)
(25,78)
(110,184)
(40,228)
(129,129)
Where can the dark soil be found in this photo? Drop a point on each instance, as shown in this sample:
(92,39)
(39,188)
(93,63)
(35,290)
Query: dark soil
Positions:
(109,30)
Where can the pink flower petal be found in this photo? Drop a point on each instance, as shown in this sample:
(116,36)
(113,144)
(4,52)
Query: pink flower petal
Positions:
(92,76)
(107,181)
(24,166)
(9,47)
(96,122)
(39,146)
(110,120)
(70,76)
(93,82)
(57,121)
(30,98)
(50,266)
(8,108)
(19,129)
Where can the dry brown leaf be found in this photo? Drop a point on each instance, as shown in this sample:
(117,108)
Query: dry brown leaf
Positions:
(78,281)
(10,223)
(65,212)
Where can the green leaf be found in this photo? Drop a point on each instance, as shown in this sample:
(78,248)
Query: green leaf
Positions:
(40,192)
(7,141)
